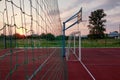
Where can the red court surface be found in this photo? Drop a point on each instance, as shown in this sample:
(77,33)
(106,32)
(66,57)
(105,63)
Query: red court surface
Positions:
(78,73)
(102,63)
(20,64)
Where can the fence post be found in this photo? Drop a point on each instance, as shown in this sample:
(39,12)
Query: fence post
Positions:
(63,40)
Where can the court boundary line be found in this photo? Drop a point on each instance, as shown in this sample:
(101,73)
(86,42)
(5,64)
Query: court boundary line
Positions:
(87,70)
(91,75)
(35,47)
(85,67)
(9,53)
(39,68)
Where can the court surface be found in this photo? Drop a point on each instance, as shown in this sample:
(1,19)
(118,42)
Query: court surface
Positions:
(32,64)
(102,63)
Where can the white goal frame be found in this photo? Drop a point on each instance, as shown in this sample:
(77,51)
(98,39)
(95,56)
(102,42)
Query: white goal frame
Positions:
(74,45)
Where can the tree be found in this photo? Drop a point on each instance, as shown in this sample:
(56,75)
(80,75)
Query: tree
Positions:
(96,24)
(43,36)
(50,37)
(59,37)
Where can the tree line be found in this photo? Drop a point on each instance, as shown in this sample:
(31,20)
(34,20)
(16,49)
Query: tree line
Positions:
(48,36)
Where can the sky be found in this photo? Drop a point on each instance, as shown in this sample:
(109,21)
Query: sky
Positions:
(69,7)
(30,17)
(111,8)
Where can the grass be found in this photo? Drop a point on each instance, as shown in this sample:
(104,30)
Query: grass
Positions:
(31,43)
(101,43)
(58,43)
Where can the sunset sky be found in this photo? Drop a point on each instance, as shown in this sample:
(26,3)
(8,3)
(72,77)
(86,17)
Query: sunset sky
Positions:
(70,7)
(111,8)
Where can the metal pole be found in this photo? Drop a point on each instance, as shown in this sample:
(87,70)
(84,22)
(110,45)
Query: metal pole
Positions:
(119,31)
(119,35)
(79,46)
(63,40)
(64,28)
(74,43)
(11,41)
(3,29)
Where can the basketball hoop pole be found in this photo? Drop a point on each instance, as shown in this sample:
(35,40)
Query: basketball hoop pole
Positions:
(65,28)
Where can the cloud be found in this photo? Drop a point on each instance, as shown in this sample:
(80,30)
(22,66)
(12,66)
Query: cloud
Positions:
(111,8)
(67,14)
(93,4)
(114,11)
(88,6)
(113,19)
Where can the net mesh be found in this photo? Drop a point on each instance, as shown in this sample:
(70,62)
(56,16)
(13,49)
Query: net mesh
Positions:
(30,40)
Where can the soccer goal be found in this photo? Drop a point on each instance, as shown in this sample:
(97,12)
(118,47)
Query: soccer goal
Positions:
(74,46)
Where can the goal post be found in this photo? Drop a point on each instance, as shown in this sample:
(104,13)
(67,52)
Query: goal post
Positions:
(74,45)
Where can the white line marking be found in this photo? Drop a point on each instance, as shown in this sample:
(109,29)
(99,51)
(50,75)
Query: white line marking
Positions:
(7,54)
(37,47)
(88,70)
(39,68)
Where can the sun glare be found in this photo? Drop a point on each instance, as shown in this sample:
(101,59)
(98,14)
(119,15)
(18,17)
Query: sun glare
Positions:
(20,31)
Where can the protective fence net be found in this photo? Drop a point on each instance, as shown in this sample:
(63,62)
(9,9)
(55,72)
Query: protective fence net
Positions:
(30,40)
